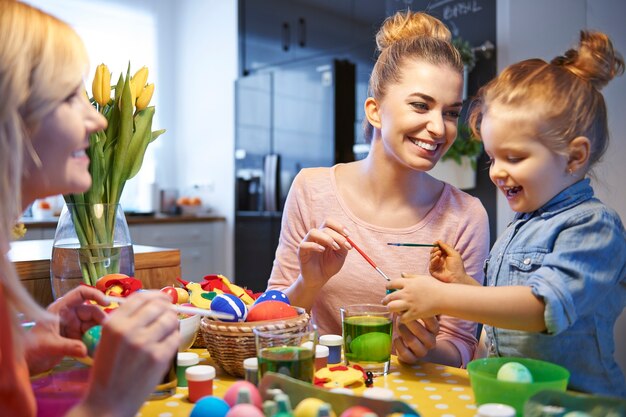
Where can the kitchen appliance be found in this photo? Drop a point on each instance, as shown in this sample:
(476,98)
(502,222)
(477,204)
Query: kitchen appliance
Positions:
(287,118)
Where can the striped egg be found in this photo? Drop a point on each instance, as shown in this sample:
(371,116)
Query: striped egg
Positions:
(230,304)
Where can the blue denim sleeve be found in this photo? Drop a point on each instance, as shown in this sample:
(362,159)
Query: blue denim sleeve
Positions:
(586,265)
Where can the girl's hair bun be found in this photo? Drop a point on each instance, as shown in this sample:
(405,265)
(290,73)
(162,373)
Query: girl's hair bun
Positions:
(595,60)
(408,24)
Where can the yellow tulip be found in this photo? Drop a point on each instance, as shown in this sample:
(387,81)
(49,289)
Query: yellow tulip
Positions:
(145,96)
(101,87)
(139,81)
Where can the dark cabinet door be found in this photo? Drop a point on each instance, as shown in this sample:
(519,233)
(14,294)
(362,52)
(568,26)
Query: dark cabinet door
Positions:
(276,32)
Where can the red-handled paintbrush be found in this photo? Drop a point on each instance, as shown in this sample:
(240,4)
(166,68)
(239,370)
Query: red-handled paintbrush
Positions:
(367,258)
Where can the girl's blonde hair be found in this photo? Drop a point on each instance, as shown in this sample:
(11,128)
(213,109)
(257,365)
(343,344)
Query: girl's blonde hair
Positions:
(562,97)
(409,36)
(42,61)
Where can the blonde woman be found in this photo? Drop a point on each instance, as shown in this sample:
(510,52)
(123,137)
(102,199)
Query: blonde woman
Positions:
(412,114)
(45,121)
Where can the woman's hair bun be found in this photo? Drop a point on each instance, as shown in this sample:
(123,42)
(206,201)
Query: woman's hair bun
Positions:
(594,60)
(408,24)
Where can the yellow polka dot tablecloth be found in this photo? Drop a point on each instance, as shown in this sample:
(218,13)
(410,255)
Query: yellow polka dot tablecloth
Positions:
(430,389)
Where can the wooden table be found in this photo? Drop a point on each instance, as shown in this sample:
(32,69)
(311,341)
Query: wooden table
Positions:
(430,389)
(155,267)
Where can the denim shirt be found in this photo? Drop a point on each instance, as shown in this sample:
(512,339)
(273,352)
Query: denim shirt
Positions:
(572,254)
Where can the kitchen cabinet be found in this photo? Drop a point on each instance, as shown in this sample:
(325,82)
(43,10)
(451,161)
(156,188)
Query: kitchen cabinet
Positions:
(275,32)
(201,245)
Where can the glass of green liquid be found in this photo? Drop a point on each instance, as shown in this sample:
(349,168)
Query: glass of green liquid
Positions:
(367,337)
(287,351)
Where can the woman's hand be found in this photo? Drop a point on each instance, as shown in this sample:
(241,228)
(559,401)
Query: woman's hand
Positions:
(322,253)
(138,344)
(446,265)
(76,313)
(414,339)
(49,341)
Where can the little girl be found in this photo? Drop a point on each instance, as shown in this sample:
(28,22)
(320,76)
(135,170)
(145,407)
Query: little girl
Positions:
(557,276)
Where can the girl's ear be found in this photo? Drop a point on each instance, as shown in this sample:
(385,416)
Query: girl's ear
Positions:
(578,149)
(372,112)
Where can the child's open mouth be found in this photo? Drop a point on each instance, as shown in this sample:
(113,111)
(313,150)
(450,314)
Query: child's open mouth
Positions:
(511,191)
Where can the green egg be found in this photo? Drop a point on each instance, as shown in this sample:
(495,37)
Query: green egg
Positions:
(514,372)
(91,338)
(373,346)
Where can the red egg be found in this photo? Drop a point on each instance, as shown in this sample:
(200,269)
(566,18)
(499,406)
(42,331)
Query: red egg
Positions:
(171,292)
(271,310)
(355,411)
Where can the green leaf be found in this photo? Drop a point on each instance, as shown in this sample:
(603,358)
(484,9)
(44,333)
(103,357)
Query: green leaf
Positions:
(465,144)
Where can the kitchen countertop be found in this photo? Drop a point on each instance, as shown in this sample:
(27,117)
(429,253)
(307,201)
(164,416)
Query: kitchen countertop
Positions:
(136,219)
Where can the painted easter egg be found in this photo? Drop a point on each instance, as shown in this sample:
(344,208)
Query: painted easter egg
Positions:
(210,406)
(514,372)
(272,295)
(91,338)
(310,407)
(245,410)
(371,347)
(271,310)
(233,394)
(228,303)
(356,411)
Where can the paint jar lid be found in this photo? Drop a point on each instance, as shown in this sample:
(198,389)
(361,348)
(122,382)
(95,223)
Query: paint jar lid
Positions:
(251,364)
(378,393)
(331,340)
(321,351)
(495,410)
(200,373)
(187,359)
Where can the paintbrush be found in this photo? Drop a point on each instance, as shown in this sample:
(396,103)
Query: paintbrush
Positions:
(180,309)
(423,245)
(367,258)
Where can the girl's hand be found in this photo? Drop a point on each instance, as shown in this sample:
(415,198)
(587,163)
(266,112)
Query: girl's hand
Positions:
(414,297)
(446,265)
(414,339)
(139,338)
(322,253)
(49,341)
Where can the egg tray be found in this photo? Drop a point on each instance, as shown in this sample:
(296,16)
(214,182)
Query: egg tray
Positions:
(230,343)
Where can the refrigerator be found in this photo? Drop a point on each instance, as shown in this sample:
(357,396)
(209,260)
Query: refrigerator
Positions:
(287,118)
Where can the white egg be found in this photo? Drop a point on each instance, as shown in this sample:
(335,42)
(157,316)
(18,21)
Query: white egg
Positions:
(514,372)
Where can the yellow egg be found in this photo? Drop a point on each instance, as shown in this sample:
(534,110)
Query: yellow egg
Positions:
(309,408)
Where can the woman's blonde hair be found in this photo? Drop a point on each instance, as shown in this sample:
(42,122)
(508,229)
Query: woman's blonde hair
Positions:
(42,61)
(562,97)
(409,36)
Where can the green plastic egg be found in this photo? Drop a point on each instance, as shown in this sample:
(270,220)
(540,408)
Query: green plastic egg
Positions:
(514,372)
(91,338)
(371,347)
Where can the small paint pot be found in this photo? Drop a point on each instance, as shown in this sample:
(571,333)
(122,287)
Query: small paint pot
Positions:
(321,356)
(200,381)
(334,343)
(184,361)
(251,370)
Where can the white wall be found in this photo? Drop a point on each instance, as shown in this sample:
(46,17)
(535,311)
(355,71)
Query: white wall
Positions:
(544,29)
(205,59)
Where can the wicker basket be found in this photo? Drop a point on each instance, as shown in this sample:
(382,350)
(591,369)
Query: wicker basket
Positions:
(230,343)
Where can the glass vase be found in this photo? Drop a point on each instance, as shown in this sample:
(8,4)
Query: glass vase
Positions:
(91,240)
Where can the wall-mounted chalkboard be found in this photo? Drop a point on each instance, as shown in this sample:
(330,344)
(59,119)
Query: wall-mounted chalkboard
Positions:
(475,22)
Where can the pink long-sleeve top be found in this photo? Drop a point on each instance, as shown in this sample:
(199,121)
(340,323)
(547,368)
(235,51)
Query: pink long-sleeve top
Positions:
(457,219)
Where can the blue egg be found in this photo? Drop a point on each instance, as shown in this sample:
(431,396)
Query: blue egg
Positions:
(228,303)
(210,406)
(272,295)
(91,338)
